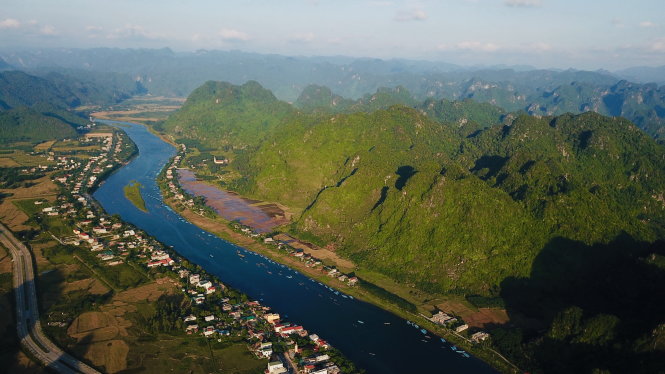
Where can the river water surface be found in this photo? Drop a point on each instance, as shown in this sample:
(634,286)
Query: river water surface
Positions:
(376,340)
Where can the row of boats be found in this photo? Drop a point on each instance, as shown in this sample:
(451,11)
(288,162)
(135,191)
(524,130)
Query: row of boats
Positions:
(452,347)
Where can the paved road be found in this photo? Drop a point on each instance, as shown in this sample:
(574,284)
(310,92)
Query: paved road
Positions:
(28,325)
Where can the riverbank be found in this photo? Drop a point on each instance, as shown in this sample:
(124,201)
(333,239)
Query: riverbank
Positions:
(222,228)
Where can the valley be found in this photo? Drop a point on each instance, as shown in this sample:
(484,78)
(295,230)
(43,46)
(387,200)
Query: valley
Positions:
(225,211)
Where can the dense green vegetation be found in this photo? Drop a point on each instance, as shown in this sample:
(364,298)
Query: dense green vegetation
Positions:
(462,198)
(133,194)
(26,124)
(36,108)
(228,116)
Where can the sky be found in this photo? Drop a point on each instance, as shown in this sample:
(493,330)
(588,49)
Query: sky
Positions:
(582,34)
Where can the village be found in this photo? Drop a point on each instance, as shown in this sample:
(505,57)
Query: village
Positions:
(215,311)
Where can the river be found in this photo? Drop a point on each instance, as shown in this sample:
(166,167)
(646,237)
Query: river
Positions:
(376,340)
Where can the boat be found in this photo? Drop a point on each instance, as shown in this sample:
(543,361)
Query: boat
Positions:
(453,348)
(211,256)
(361,322)
(289,276)
(386,323)
(423,331)
(443,340)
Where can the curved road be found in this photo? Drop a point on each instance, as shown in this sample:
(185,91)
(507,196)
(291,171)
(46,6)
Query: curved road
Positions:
(28,325)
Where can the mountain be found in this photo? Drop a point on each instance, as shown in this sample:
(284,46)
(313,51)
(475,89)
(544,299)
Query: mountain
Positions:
(5,66)
(542,92)
(20,89)
(404,182)
(222,115)
(643,74)
(26,124)
(561,218)
(36,108)
(321,99)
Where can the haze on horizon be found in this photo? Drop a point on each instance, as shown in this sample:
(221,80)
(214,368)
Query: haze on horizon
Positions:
(586,34)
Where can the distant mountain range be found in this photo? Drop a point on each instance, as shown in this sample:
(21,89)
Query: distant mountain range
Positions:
(540,92)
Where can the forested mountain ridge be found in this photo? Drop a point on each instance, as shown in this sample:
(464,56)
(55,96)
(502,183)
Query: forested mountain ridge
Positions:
(26,124)
(561,218)
(226,116)
(394,184)
(34,108)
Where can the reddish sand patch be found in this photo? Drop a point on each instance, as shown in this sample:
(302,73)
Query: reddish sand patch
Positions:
(262,217)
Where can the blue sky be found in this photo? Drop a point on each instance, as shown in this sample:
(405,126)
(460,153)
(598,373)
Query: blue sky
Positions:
(585,34)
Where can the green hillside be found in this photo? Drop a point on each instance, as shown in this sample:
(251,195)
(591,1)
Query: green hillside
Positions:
(221,115)
(463,198)
(462,209)
(25,124)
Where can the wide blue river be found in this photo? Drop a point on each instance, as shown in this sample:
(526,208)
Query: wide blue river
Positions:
(381,344)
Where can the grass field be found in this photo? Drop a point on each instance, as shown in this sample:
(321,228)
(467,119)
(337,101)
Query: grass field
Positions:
(133,194)
(28,206)
(44,146)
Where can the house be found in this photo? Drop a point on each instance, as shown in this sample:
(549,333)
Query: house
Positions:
(441,318)
(192,327)
(353,281)
(209,318)
(190,318)
(271,318)
(204,284)
(154,264)
(479,336)
(210,290)
(265,350)
(208,331)
(461,328)
(99,230)
(290,330)
(276,367)
(194,279)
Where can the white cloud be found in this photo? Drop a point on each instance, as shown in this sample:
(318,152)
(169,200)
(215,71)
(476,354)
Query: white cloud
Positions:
(647,24)
(306,37)
(478,46)
(538,47)
(411,15)
(522,3)
(47,30)
(10,23)
(658,45)
(233,35)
